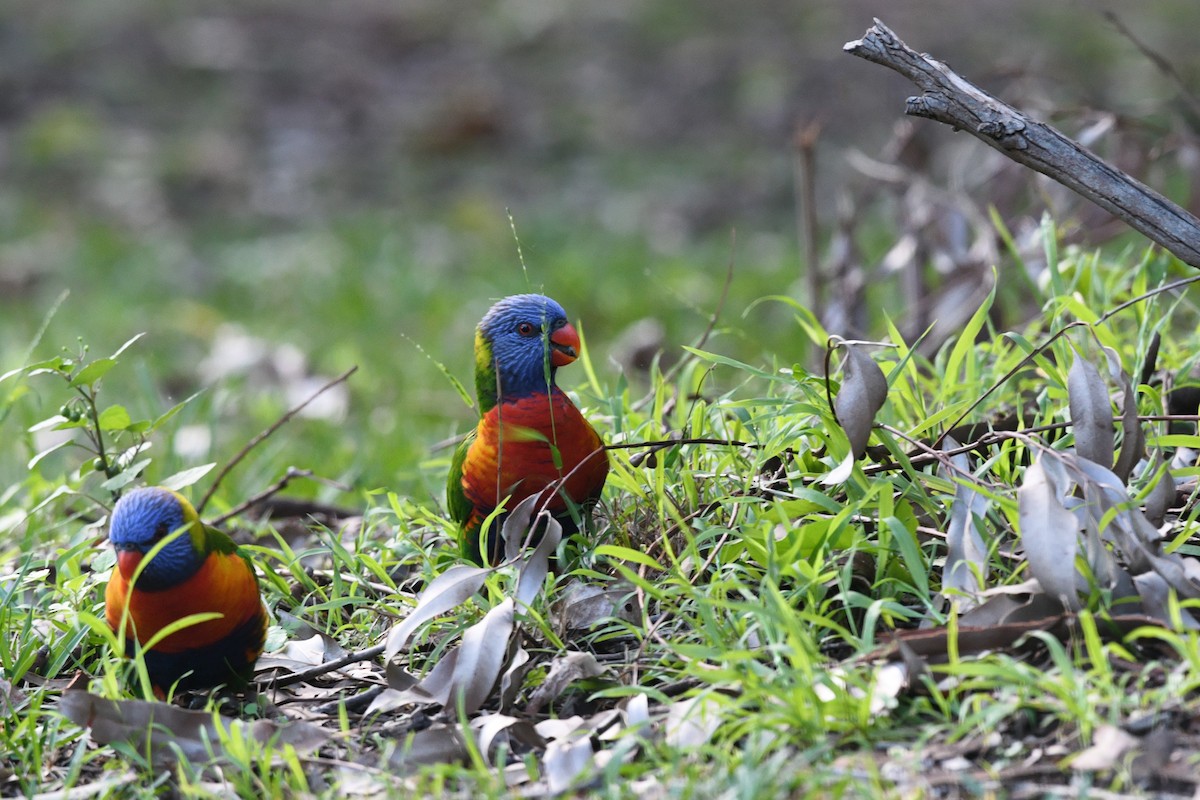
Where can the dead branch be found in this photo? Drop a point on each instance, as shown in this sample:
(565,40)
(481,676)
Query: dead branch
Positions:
(950,99)
(257,440)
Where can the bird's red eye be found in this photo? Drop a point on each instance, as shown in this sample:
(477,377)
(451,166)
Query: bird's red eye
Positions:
(526,329)
(161,531)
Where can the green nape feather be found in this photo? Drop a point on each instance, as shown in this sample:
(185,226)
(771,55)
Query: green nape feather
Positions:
(205,538)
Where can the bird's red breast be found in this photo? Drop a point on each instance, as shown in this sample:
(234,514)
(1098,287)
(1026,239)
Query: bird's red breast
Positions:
(522,446)
(224,584)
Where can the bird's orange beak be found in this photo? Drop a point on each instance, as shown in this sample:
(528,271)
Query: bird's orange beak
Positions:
(564,345)
(127,562)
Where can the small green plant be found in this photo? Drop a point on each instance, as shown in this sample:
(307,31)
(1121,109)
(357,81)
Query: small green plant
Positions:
(113,444)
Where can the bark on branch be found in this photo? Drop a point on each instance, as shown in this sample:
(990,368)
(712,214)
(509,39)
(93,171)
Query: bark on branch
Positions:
(948,98)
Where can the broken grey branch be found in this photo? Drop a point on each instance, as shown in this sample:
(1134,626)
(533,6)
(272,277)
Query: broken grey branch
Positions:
(948,98)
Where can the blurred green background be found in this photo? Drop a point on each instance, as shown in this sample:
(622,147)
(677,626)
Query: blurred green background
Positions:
(275,191)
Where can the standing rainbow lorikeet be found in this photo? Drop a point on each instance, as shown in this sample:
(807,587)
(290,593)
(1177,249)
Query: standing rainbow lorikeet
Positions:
(530,435)
(200,570)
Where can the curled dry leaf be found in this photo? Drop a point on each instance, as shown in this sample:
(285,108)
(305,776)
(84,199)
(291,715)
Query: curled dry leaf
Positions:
(1049,533)
(517,525)
(1105,570)
(1162,496)
(169,732)
(1155,594)
(1133,439)
(402,690)
(1091,412)
(565,670)
(481,657)
(489,727)
(637,710)
(584,605)
(438,744)
(469,670)
(10,697)
(966,554)
(1109,746)
(565,760)
(692,722)
(863,392)
(536,567)
(513,677)
(453,587)
(300,654)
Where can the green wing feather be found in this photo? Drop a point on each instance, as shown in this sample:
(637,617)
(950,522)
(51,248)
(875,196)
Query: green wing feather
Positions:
(460,507)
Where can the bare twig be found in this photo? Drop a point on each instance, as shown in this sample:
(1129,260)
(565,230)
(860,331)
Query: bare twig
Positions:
(277,486)
(326,668)
(257,440)
(948,98)
(805,143)
(1161,63)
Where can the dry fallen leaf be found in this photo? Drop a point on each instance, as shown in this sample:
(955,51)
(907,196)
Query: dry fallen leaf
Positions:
(536,565)
(565,760)
(1049,533)
(438,744)
(481,656)
(692,722)
(1091,412)
(565,670)
(1133,439)
(169,732)
(966,554)
(863,392)
(1109,746)
(585,605)
(453,587)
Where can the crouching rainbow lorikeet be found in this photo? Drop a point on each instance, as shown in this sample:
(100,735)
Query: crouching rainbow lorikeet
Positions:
(201,570)
(530,436)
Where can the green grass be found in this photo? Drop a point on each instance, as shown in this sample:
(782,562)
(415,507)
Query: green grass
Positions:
(754,597)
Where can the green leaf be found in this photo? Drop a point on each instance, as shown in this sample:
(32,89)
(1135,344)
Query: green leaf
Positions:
(173,410)
(93,372)
(49,365)
(725,361)
(123,347)
(48,422)
(105,561)
(628,554)
(187,477)
(114,418)
(125,476)
(33,462)
(966,346)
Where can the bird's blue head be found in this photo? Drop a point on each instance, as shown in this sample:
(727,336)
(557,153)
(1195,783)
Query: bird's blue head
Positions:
(519,344)
(144,517)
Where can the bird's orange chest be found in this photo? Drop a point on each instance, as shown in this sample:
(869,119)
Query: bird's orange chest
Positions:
(523,446)
(225,585)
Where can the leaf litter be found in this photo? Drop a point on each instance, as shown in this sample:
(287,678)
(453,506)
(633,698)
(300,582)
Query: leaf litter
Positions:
(507,689)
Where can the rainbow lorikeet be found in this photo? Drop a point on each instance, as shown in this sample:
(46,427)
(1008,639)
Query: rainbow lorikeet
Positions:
(530,436)
(201,570)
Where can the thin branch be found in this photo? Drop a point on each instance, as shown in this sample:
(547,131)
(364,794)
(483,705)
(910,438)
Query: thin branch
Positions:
(664,443)
(948,98)
(1159,61)
(1029,357)
(326,668)
(807,224)
(291,474)
(257,440)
